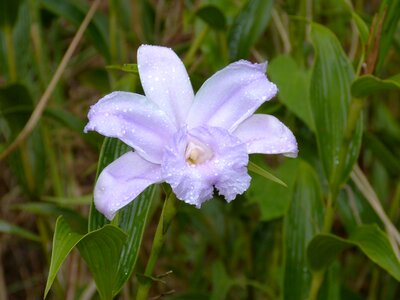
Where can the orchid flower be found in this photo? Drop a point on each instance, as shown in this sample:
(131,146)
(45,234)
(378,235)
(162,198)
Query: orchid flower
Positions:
(195,143)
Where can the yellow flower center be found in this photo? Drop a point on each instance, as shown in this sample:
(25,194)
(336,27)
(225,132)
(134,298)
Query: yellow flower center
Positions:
(197,153)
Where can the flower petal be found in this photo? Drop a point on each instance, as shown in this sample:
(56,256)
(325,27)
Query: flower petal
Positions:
(134,120)
(231,96)
(122,181)
(165,81)
(226,170)
(266,134)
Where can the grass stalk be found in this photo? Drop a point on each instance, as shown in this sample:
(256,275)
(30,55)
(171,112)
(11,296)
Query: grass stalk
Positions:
(167,214)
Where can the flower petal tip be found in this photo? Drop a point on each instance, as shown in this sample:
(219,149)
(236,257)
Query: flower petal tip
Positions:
(261,67)
(266,134)
(165,81)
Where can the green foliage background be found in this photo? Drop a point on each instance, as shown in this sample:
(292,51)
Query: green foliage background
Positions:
(330,234)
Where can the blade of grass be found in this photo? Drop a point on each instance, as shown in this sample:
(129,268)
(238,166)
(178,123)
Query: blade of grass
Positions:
(260,171)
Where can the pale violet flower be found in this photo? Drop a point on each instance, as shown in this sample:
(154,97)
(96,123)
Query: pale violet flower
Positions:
(195,143)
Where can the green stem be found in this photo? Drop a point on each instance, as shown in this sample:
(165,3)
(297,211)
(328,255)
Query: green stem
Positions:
(329,213)
(167,214)
(12,66)
(318,277)
(195,46)
(315,285)
(374,286)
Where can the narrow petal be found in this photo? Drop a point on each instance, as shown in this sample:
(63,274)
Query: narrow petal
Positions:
(266,134)
(165,81)
(122,181)
(134,120)
(231,96)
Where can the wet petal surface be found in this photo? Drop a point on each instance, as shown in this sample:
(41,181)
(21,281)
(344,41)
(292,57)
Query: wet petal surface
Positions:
(165,81)
(225,169)
(122,181)
(134,120)
(266,134)
(231,96)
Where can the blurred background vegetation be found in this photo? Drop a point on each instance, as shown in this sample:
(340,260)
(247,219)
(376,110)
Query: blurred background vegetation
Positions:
(254,247)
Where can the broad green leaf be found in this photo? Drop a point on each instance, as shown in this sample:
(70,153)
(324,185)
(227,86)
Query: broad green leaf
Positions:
(112,149)
(129,68)
(303,220)
(248,26)
(101,250)
(273,198)
(213,16)
(8,12)
(323,249)
(391,11)
(133,219)
(330,100)
(9,228)
(370,239)
(368,84)
(293,84)
(74,12)
(64,241)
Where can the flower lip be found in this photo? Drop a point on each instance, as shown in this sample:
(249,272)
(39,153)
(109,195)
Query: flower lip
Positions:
(220,162)
(197,153)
